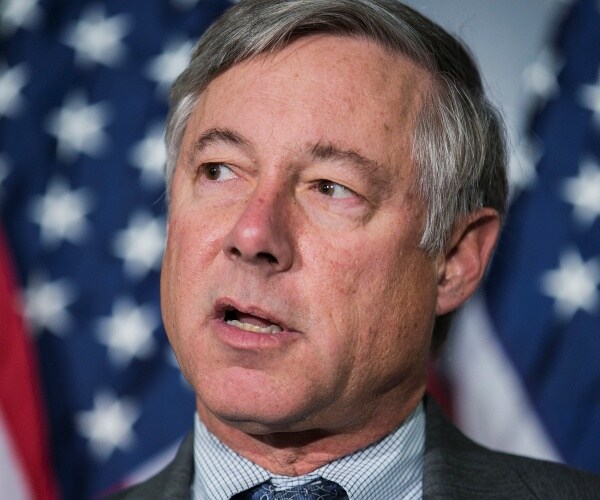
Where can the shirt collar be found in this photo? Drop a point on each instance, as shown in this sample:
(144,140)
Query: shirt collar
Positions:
(389,468)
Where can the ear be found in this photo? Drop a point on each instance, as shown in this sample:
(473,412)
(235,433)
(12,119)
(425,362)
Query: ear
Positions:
(463,263)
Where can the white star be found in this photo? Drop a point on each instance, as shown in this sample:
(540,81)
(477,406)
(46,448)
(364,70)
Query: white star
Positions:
(573,285)
(78,127)
(61,213)
(164,68)
(96,38)
(128,332)
(583,192)
(149,155)
(108,426)
(523,164)
(46,304)
(16,14)
(141,245)
(589,96)
(540,77)
(12,81)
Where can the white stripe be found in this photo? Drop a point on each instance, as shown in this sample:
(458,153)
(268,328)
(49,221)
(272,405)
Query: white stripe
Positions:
(490,404)
(12,479)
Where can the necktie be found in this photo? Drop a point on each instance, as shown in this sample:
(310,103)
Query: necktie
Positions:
(322,489)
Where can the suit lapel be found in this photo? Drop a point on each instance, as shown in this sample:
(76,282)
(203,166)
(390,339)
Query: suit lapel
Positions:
(173,482)
(180,473)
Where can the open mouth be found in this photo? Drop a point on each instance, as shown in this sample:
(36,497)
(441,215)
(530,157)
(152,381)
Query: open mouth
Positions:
(249,322)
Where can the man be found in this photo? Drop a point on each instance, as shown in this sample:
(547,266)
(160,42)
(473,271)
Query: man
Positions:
(336,183)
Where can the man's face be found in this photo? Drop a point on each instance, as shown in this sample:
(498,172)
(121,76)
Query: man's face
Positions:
(293,289)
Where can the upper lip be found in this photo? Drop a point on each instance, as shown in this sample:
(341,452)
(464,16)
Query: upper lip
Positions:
(224,304)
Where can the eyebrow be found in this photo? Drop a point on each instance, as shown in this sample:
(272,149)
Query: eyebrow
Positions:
(328,151)
(216,136)
(375,172)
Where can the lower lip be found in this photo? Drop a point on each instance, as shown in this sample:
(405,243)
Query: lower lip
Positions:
(252,341)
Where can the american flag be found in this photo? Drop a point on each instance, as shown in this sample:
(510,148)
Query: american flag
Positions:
(83,98)
(543,290)
(525,367)
(83,88)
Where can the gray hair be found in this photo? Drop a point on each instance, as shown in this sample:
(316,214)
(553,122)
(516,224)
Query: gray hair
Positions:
(458,145)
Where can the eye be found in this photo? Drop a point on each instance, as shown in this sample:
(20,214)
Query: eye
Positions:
(334,189)
(217,172)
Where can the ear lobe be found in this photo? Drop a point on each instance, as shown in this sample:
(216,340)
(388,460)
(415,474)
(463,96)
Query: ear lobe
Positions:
(465,259)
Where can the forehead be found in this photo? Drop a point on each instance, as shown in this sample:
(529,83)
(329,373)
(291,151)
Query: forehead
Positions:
(346,91)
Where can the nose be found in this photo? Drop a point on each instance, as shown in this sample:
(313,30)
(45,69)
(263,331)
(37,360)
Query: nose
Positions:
(262,234)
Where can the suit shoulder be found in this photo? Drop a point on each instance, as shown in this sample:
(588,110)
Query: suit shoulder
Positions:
(173,482)
(457,467)
(553,480)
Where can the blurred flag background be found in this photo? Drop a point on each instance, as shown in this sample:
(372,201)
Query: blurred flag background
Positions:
(524,361)
(90,394)
(83,97)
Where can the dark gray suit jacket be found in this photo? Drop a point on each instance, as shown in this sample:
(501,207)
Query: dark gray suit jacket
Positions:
(455,468)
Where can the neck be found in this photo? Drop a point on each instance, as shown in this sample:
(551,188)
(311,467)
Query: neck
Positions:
(298,452)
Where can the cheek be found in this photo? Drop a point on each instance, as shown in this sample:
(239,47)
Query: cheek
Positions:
(343,298)
(399,336)
(191,246)
(382,305)
(186,286)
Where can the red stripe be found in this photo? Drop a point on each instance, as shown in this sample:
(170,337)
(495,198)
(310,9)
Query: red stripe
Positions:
(20,394)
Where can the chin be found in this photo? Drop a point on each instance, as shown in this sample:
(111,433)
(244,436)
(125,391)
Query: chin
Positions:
(254,417)
(256,413)
(264,424)
(257,401)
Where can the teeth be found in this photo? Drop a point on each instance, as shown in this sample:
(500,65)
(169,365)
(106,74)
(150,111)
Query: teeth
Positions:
(254,328)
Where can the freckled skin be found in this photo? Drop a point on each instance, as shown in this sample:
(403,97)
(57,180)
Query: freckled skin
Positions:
(349,275)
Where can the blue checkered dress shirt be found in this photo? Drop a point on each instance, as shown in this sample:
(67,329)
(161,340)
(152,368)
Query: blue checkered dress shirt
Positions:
(391,468)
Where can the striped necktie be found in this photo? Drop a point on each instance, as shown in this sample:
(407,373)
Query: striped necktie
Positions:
(321,489)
